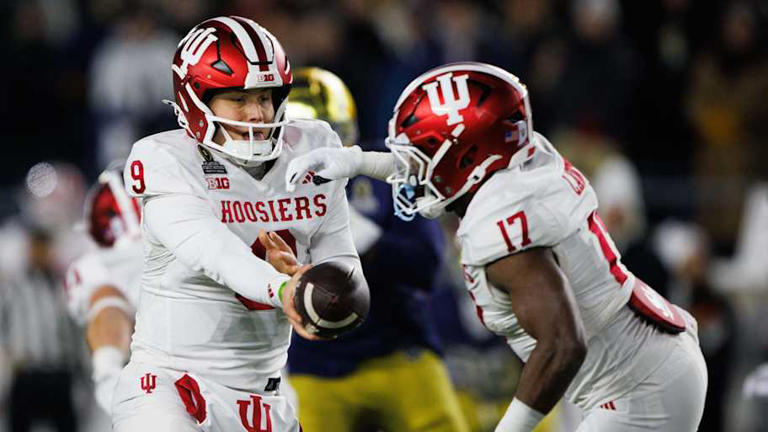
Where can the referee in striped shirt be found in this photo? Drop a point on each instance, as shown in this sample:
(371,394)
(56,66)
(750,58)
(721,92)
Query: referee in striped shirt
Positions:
(41,343)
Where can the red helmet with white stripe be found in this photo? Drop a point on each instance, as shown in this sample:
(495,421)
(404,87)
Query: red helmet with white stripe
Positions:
(230,53)
(452,128)
(111,216)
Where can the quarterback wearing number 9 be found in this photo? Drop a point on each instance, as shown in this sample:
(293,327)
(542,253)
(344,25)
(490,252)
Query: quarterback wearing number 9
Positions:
(214,318)
(537,261)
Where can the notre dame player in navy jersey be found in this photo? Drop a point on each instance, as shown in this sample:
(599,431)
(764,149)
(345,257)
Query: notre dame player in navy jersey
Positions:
(386,374)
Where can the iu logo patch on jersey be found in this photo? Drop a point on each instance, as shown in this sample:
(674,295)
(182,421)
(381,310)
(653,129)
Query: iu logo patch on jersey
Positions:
(451,102)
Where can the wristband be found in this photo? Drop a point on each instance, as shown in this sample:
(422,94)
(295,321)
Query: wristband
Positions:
(280,291)
(107,302)
(519,418)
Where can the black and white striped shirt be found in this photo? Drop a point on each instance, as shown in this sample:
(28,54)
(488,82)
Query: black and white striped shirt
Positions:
(35,329)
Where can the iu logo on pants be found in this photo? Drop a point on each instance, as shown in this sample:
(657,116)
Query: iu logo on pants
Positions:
(254,425)
(148,382)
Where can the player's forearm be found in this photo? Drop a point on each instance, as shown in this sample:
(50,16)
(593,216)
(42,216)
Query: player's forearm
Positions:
(109,319)
(548,373)
(187,227)
(249,276)
(545,378)
(110,327)
(378,165)
(108,334)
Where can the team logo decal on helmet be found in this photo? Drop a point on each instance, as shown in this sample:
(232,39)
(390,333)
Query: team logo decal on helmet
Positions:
(230,53)
(450,104)
(452,128)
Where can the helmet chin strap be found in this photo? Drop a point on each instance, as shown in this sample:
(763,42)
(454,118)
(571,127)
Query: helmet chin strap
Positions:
(251,152)
(239,152)
(249,147)
(181,119)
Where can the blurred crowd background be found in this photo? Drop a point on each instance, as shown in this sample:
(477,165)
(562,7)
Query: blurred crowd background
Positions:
(662,103)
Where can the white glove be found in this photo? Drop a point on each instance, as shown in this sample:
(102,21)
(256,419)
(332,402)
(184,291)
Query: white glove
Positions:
(338,163)
(326,163)
(108,363)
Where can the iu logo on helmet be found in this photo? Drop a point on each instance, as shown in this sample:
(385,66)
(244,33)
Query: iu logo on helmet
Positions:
(148,382)
(195,44)
(254,425)
(452,102)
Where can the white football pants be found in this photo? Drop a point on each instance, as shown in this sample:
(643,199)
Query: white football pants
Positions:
(150,398)
(671,399)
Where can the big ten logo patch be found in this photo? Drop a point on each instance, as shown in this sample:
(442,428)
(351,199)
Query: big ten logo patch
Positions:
(265,77)
(215,183)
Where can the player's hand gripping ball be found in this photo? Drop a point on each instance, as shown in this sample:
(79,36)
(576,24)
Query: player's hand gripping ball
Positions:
(330,300)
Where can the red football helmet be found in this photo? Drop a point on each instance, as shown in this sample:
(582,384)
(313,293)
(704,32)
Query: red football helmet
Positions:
(111,215)
(230,53)
(452,128)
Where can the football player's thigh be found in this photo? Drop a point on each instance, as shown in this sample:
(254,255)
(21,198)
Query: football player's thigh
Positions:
(324,404)
(422,397)
(670,400)
(160,421)
(146,399)
(685,395)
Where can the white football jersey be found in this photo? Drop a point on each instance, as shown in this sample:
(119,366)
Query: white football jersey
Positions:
(209,302)
(548,203)
(119,266)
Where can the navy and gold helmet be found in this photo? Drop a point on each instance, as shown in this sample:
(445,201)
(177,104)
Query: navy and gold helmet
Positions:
(319,94)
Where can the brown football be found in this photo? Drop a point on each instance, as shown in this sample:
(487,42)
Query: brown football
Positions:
(331,299)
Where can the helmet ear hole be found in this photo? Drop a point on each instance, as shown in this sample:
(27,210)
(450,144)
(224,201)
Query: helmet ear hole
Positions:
(516,117)
(222,66)
(410,120)
(468,158)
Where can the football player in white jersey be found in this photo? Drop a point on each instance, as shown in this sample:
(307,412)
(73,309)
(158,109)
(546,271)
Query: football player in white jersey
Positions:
(214,319)
(537,261)
(103,285)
